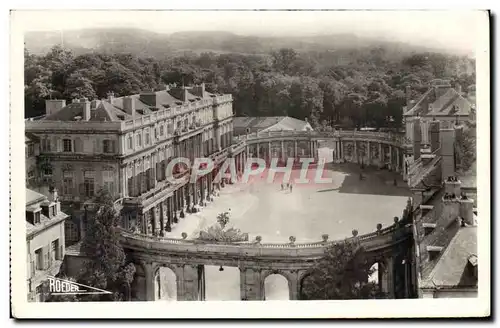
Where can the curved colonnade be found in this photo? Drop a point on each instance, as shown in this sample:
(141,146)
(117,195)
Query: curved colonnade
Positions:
(388,247)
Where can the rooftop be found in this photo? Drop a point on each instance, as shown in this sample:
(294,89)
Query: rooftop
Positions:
(112,109)
(441,101)
(268,123)
(33,197)
(450,270)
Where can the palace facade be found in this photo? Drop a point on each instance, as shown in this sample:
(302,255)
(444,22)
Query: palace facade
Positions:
(124,145)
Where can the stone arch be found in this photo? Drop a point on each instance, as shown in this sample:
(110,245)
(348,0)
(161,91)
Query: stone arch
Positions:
(303,278)
(166,282)
(277,272)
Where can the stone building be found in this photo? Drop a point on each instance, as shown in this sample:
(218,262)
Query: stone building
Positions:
(441,102)
(244,125)
(124,145)
(445,223)
(248,126)
(44,240)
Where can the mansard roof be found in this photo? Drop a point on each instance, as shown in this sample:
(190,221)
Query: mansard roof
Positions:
(448,102)
(450,269)
(111,110)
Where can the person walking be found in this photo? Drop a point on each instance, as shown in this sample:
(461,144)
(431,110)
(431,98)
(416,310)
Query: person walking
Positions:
(291,188)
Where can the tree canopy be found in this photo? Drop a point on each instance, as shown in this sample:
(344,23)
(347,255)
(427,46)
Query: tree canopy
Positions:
(357,87)
(341,274)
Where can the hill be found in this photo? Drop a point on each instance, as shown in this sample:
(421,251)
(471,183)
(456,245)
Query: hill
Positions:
(146,43)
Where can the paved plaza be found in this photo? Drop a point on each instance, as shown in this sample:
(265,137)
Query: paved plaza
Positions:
(262,209)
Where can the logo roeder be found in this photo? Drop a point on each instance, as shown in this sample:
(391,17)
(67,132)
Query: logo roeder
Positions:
(65,287)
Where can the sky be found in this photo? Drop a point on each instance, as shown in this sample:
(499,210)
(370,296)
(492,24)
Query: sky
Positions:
(454,30)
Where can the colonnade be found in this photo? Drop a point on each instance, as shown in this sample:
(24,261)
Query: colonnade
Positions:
(191,282)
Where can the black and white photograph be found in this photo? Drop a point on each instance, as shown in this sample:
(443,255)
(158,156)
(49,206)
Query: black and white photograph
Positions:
(249,156)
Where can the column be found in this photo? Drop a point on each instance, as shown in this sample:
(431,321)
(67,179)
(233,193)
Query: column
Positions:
(150,280)
(390,156)
(168,225)
(342,151)
(295,149)
(282,157)
(355,151)
(124,191)
(188,281)
(258,150)
(380,155)
(173,203)
(155,219)
(369,153)
(387,283)
(202,191)
(134,180)
(397,160)
(269,151)
(251,285)
(162,219)
(154,160)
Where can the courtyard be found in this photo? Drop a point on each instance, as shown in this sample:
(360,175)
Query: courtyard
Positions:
(310,210)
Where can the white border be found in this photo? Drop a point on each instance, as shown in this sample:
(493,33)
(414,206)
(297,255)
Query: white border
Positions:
(290,309)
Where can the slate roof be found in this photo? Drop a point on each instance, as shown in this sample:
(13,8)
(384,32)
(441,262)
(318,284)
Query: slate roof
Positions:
(449,271)
(33,197)
(449,103)
(269,123)
(112,110)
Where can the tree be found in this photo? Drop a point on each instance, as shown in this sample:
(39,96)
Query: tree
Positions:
(341,274)
(107,267)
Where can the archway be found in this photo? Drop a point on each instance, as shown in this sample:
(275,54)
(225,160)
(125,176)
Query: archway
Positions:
(222,283)
(165,284)
(375,277)
(276,287)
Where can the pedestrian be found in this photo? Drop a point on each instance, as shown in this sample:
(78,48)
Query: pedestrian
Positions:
(282,187)
(291,187)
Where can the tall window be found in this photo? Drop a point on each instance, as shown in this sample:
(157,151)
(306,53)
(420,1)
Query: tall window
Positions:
(107,146)
(31,150)
(162,130)
(138,139)
(54,249)
(88,183)
(39,259)
(108,181)
(130,142)
(70,232)
(148,138)
(45,144)
(67,145)
(68,183)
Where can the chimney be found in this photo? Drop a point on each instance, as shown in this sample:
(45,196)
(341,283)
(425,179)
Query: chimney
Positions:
(447,153)
(458,87)
(129,105)
(52,106)
(199,90)
(85,109)
(434,135)
(184,94)
(417,138)
(467,209)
